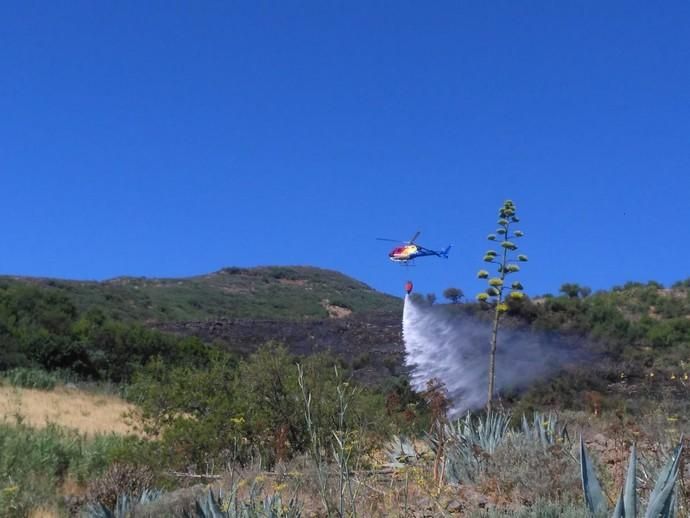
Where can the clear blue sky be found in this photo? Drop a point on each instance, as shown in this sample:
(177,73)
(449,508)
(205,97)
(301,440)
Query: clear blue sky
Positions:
(171,139)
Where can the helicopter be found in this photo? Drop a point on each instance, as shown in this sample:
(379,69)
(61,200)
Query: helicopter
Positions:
(409,250)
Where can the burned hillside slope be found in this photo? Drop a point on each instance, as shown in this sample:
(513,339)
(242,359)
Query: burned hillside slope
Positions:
(370,343)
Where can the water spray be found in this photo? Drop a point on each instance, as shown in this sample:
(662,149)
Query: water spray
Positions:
(454,349)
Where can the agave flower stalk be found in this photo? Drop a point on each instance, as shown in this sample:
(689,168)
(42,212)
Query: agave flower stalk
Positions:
(495,293)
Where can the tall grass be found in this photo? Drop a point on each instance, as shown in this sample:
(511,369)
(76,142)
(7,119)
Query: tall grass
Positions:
(27,377)
(89,412)
(34,463)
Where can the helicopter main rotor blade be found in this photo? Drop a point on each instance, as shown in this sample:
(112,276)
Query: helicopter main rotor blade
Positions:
(411,241)
(391,240)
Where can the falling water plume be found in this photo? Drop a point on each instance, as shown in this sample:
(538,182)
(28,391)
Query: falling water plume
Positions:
(455,350)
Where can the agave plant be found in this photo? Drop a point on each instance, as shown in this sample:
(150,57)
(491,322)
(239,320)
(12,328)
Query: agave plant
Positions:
(469,442)
(400,452)
(217,506)
(545,429)
(486,432)
(124,506)
(662,501)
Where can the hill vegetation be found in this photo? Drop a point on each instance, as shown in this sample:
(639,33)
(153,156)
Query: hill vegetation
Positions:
(207,401)
(637,335)
(646,325)
(275,292)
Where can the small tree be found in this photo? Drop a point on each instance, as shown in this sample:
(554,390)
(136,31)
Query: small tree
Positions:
(570,290)
(584,291)
(573,290)
(431,298)
(453,294)
(495,294)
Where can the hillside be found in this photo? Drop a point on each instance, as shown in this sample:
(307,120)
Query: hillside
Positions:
(297,292)
(195,399)
(371,343)
(95,328)
(640,334)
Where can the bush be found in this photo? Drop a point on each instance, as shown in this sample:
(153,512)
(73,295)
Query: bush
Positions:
(33,463)
(32,378)
(361,361)
(232,412)
(119,479)
(528,473)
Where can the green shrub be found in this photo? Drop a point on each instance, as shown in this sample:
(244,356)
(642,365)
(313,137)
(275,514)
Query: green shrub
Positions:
(33,463)
(32,378)
(361,361)
(231,412)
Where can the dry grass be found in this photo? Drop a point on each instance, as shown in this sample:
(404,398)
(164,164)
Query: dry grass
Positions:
(89,413)
(43,512)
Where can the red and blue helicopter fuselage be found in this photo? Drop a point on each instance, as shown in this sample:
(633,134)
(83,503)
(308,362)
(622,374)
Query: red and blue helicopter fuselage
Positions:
(405,253)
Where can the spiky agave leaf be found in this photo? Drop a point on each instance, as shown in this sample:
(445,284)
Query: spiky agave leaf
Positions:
(468,442)
(487,432)
(672,504)
(545,437)
(98,510)
(210,506)
(150,495)
(545,429)
(274,507)
(629,494)
(626,506)
(400,452)
(525,426)
(661,501)
(619,510)
(594,496)
(123,506)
